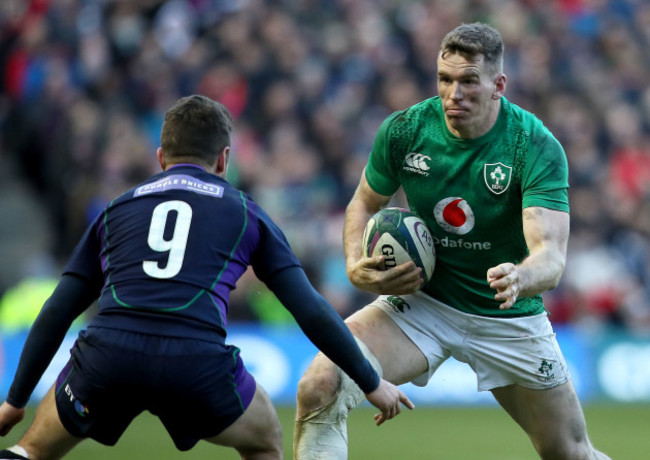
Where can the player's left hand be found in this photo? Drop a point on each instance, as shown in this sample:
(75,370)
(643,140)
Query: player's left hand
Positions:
(9,416)
(367,274)
(505,279)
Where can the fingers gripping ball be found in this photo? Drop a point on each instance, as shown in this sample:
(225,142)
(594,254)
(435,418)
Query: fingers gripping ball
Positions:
(400,235)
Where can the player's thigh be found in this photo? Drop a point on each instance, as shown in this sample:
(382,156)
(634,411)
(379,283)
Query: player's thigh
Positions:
(401,360)
(553,415)
(258,429)
(46,438)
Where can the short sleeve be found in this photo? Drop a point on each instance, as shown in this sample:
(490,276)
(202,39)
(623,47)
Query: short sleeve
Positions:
(380,175)
(546,175)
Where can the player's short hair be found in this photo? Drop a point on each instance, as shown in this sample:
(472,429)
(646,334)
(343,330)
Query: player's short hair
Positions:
(196,127)
(473,40)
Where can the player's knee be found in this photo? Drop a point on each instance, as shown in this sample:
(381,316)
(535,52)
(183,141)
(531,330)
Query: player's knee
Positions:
(559,452)
(569,447)
(317,388)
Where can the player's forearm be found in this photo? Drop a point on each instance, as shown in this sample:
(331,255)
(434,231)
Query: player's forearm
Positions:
(71,296)
(361,207)
(322,325)
(330,334)
(44,339)
(540,272)
(546,232)
(356,217)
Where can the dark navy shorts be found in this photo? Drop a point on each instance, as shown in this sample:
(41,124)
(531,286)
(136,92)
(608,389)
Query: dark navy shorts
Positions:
(196,388)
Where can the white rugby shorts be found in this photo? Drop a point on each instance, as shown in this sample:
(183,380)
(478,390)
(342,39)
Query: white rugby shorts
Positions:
(501,351)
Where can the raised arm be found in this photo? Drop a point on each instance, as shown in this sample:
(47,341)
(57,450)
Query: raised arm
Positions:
(364,272)
(547,233)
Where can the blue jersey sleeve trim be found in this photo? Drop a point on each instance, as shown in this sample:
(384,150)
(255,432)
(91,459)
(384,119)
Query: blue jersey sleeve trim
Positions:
(239,238)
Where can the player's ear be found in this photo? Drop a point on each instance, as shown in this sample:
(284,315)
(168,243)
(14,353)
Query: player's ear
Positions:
(161,159)
(499,86)
(222,161)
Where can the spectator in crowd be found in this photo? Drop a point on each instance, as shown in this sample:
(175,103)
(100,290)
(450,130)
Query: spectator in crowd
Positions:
(308,88)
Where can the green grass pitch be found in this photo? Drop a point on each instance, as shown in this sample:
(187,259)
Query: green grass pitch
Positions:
(436,433)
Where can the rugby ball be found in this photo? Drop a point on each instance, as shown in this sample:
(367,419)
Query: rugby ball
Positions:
(401,236)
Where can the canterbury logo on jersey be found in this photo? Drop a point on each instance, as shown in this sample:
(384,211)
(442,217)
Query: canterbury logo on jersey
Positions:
(417,163)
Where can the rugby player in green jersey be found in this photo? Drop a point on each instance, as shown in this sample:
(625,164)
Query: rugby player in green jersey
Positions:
(491,182)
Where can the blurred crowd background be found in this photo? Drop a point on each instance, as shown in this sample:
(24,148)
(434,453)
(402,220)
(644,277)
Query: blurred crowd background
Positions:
(84,85)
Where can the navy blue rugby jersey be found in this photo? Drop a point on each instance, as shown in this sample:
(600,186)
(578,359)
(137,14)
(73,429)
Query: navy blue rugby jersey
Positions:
(168,252)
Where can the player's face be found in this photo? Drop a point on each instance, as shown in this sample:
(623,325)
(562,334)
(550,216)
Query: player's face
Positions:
(470,96)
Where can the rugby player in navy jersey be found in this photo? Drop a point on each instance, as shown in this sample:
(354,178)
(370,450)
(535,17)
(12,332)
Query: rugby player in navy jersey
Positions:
(161,260)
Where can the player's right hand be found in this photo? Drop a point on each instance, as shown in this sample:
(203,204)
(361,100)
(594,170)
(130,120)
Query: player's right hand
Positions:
(367,274)
(388,398)
(9,416)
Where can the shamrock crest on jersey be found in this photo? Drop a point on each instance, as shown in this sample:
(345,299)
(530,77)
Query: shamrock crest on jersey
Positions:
(497,177)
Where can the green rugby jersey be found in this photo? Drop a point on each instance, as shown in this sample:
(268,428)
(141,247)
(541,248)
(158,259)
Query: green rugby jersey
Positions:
(471,192)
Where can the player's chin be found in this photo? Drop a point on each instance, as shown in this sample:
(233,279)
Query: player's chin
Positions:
(457,122)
